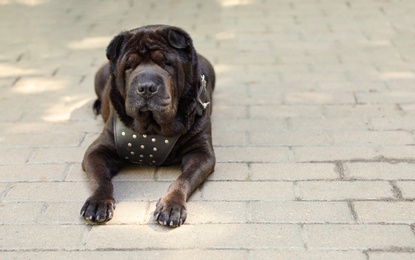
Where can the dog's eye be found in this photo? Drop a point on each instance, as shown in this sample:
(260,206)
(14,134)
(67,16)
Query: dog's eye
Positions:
(167,63)
(131,61)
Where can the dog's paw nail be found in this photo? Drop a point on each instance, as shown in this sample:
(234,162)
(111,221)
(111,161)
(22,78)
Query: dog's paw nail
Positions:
(171,222)
(165,223)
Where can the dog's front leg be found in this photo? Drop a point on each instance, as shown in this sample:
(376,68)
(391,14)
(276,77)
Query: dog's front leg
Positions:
(171,208)
(101,163)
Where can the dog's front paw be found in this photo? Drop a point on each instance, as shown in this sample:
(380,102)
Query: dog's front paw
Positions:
(170,213)
(98,210)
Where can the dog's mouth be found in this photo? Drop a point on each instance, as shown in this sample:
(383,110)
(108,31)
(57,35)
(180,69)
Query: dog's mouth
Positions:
(144,108)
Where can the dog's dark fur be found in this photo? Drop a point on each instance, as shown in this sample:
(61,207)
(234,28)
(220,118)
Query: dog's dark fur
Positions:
(163,59)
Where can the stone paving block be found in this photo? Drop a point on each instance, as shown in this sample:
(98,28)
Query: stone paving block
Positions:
(133,172)
(32,172)
(407,188)
(61,213)
(58,155)
(91,126)
(132,254)
(326,124)
(41,237)
(246,191)
(333,153)
(13,115)
(252,154)
(392,123)
(372,138)
(248,125)
(230,171)
(300,212)
(293,171)
(22,213)
(41,140)
(344,190)
(11,156)
(211,236)
(400,152)
(380,171)
(27,127)
(225,138)
(283,111)
(391,255)
(225,111)
(141,191)
(289,138)
(385,212)
(362,111)
(306,255)
(317,98)
(48,192)
(354,237)
(400,97)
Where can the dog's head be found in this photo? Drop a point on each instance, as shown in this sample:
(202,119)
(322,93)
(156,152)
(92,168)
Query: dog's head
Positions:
(154,79)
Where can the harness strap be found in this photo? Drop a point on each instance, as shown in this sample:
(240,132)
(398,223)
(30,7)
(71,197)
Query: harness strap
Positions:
(141,149)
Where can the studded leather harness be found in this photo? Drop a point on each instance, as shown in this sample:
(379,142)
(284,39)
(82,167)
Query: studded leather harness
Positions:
(150,149)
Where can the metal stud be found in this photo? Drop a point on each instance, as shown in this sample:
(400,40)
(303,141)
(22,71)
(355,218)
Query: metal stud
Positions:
(134,136)
(132,153)
(151,156)
(153,139)
(130,144)
(142,146)
(141,156)
(166,141)
(123,133)
(144,136)
(155,149)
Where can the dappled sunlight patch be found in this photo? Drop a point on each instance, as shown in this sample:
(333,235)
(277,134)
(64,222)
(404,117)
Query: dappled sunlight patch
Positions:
(24,2)
(8,70)
(230,3)
(397,75)
(37,85)
(90,43)
(225,35)
(63,109)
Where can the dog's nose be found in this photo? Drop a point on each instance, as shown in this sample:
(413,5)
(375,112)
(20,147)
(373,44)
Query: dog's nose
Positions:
(147,89)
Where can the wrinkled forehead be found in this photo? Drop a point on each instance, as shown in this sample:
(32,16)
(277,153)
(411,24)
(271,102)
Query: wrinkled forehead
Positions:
(145,40)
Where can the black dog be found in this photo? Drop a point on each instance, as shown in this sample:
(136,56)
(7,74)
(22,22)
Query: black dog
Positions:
(154,96)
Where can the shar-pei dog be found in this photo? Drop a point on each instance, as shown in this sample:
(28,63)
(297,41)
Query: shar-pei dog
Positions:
(155,95)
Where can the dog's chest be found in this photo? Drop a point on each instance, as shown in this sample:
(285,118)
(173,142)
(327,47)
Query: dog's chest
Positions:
(141,149)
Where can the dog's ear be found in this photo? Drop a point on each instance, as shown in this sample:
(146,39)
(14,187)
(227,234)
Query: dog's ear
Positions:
(178,38)
(115,46)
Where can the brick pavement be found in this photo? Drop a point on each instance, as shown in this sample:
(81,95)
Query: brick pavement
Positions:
(313,131)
